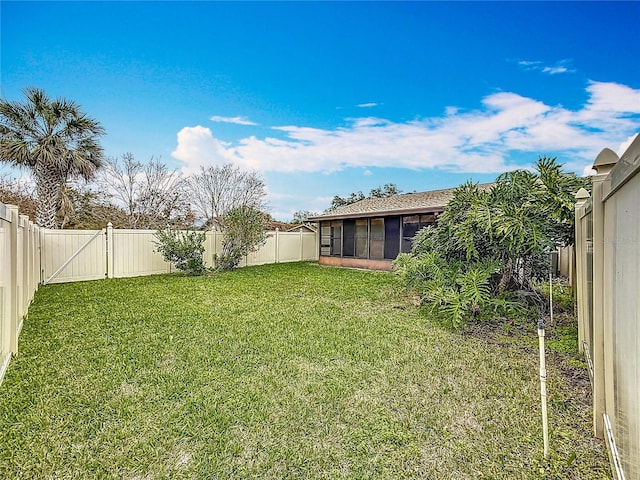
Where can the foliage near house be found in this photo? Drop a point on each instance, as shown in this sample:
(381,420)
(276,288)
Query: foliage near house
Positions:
(511,227)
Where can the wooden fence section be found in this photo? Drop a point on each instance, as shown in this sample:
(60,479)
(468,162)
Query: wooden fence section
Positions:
(74,255)
(19,276)
(608,300)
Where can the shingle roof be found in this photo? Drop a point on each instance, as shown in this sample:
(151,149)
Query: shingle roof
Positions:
(407,203)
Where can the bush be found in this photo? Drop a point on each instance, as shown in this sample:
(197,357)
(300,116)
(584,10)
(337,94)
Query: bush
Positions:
(490,246)
(184,250)
(454,292)
(243,231)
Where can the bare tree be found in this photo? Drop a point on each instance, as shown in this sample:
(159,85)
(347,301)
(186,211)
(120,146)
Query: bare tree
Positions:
(151,194)
(20,193)
(218,189)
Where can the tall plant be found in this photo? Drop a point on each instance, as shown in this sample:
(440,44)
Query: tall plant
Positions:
(243,231)
(512,226)
(184,250)
(54,140)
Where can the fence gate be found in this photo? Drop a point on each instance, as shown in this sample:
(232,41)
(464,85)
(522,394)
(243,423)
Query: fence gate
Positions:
(74,255)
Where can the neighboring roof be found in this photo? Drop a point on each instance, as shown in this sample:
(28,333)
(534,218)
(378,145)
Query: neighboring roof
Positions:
(405,204)
(302,226)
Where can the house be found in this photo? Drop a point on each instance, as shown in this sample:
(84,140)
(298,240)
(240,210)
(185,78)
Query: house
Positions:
(372,232)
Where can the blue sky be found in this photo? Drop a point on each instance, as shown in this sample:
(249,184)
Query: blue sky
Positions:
(328,98)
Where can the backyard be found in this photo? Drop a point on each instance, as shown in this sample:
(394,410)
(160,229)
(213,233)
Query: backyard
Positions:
(283,371)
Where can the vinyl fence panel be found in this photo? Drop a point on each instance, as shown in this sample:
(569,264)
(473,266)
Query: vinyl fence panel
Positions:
(608,301)
(19,277)
(134,254)
(74,255)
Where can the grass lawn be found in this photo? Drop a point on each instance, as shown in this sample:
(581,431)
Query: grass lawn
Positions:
(280,371)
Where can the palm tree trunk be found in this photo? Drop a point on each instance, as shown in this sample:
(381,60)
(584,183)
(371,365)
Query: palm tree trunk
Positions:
(48,189)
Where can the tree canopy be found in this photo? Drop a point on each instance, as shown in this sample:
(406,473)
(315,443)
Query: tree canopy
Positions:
(388,190)
(54,140)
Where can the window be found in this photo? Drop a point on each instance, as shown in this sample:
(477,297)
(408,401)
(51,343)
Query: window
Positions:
(336,237)
(349,238)
(377,248)
(362,238)
(391,237)
(330,238)
(410,226)
(325,239)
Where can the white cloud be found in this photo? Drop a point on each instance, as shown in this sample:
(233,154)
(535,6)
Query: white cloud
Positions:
(367,105)
(613,97)
(554,70)
(235,120)
(198,147)
(561,66)
(626,144)
(478,141)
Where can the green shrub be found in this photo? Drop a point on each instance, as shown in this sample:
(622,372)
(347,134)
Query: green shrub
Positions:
(184,250)
(454,292)
(243,231)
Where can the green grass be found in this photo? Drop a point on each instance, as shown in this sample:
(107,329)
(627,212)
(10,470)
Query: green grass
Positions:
(279,371)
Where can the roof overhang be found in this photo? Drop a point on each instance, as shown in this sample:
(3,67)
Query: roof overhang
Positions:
(379,213)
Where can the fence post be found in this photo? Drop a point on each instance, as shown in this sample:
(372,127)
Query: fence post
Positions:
(24,294)
(581,274)
(109,250)
(605,161)
(41,261)
(277,246)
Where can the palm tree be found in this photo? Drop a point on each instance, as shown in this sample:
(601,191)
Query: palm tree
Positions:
(53,139)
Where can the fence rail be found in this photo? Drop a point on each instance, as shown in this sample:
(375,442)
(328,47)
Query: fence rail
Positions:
(608,300)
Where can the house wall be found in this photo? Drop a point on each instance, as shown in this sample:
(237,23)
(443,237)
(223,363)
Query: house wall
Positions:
(342,242)
(384,265)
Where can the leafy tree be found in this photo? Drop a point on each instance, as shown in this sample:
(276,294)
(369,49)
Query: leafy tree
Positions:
(54,140)
(517,222)
(512,225)
(184,250)
(243,231)
(302,216)
(218,189)
(388,190)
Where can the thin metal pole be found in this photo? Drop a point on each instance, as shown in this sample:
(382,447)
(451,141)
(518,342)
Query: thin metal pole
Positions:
(543,389)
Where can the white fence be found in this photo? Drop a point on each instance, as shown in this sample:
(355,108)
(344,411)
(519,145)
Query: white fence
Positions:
(19,276)
(30,255)
(74,255)
(608,300)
